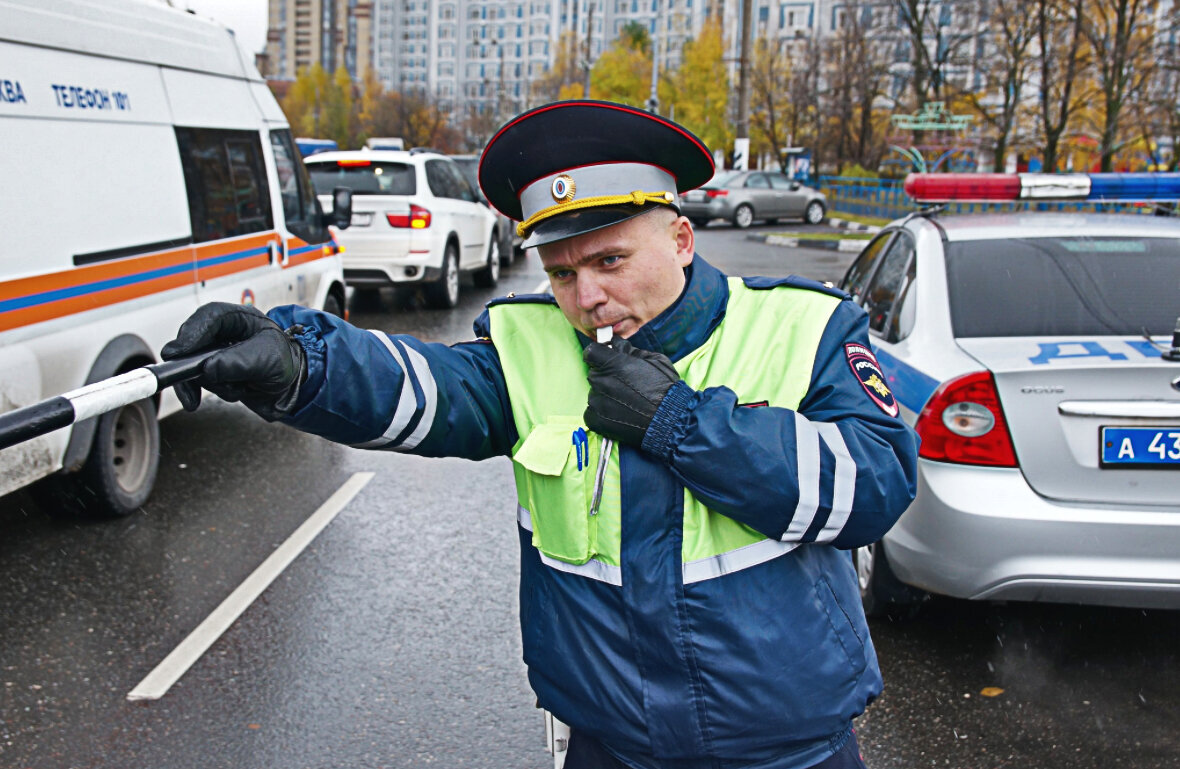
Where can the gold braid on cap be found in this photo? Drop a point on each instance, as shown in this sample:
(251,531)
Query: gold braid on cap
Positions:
(636,198)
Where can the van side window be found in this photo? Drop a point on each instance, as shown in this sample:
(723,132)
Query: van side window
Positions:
(225,178)
(300,207)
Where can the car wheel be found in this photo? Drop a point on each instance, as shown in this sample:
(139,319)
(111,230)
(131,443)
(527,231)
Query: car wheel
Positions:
(743,217)
(489,275)
(119,473)
(443,294)
(332,306)
(698,221)
(814,213)
(881,592)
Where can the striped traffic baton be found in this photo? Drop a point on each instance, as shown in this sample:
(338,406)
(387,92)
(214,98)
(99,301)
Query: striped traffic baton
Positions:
(96,399)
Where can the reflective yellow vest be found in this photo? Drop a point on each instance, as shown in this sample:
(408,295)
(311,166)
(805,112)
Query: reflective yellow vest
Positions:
(763,349)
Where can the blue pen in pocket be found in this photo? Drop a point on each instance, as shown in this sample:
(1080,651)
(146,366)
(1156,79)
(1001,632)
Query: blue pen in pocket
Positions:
(582,446)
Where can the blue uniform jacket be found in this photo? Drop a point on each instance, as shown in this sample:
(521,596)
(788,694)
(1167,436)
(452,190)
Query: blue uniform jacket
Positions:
(764,667)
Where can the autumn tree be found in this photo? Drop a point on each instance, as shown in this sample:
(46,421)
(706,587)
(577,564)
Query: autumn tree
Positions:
(771,109)
(308,103)
(1120,35)
(564,79)
(857,66)
(623,71)
(937,42)
(1007,60)
(698,91)
(1063,59)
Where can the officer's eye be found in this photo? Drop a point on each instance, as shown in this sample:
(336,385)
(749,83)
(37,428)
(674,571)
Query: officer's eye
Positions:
(609,260)
(561,274)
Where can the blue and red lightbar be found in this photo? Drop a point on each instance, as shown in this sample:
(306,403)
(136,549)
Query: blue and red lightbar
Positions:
(941,188)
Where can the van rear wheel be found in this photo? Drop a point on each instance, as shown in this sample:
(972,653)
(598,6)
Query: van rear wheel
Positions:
(120,471)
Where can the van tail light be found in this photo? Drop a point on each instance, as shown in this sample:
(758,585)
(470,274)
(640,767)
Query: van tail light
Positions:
(716,193)
(964,423)
(417,219)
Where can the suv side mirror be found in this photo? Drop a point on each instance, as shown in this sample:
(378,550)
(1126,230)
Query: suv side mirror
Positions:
(795,185)
(341,214)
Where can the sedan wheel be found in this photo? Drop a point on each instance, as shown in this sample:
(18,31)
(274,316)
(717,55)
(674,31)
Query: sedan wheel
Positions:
(743,217)
(814,213)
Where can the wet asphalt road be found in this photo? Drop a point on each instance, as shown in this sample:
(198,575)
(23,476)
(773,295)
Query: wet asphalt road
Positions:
(392,641)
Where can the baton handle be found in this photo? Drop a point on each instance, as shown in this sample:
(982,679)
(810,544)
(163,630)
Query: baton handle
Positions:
(51,414)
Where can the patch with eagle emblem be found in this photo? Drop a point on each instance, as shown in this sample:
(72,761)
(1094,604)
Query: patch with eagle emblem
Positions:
(871,377)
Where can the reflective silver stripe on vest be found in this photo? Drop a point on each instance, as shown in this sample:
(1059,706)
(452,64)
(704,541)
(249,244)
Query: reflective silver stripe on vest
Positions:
(843,483)
(807,458)
(736,560)
(419,369)
(597,570)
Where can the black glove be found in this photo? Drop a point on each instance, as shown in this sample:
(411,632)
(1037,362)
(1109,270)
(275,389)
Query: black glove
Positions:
(261,365)
(626,387)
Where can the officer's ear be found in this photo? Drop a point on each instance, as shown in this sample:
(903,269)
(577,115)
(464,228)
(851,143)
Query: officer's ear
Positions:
(685,240)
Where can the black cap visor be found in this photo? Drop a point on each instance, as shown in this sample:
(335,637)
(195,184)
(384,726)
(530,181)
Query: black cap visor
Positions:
(583,221)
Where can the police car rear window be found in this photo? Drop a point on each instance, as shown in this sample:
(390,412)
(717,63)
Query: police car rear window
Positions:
(1064,286)
(365,178)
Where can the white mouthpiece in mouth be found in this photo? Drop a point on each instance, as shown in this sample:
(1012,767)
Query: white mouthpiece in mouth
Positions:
(605,334)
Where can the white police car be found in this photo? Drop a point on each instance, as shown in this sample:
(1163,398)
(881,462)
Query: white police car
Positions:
(1033,353)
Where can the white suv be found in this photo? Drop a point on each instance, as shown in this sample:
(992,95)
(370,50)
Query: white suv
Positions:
(415,219)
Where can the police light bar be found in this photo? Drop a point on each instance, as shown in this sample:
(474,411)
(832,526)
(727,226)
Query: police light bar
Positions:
(942,188)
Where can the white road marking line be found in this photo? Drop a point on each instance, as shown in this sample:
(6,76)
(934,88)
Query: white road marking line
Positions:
(542,287)
(159,681)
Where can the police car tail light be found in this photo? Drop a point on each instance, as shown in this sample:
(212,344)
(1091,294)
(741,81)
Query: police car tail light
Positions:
(964,423)
(716,193)
(418,218)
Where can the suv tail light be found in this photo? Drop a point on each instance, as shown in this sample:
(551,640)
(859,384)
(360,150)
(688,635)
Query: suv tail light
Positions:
(964,423)
(417,219)
(716,193)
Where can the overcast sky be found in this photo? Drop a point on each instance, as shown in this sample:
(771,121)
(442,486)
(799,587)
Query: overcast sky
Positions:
(247,18)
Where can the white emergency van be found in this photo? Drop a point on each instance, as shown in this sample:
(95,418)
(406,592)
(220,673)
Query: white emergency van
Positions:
(146,169)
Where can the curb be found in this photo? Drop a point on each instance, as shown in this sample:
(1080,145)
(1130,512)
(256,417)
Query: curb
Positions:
(845,224)
(844,244)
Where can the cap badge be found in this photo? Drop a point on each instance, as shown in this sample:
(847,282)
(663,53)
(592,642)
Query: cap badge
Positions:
(563,189)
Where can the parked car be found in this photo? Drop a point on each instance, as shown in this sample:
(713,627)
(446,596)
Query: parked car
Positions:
(1029,352)
(744,196)
(505,227)
(415,220)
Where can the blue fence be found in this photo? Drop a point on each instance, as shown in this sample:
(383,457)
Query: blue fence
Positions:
(885,199)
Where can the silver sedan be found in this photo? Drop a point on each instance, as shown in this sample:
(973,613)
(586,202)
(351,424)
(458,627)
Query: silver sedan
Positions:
(744,196)
(1033,354)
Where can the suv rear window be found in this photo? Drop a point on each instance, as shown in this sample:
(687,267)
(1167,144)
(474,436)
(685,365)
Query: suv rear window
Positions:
(363,178)
(1064,286)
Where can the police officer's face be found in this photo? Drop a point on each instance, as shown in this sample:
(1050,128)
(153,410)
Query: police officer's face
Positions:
(620,276)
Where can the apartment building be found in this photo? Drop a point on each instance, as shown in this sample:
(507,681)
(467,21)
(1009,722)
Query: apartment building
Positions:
(487,54)
(331,32)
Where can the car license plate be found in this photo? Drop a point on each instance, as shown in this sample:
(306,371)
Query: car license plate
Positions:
(362,219)
(695,196)
(1140,446)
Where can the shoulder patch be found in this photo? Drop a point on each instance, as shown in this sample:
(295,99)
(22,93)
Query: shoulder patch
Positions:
(515,298)
(868,372)
(794,281)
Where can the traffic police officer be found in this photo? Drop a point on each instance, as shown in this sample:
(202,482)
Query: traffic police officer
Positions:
(694,454)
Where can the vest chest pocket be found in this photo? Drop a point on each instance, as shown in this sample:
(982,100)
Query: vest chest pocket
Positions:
(555,478)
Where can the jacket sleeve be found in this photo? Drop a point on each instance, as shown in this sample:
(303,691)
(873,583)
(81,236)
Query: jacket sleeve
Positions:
(840,470)
(375,390)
